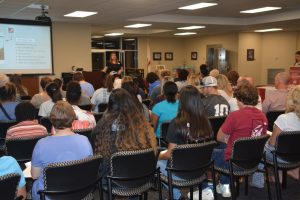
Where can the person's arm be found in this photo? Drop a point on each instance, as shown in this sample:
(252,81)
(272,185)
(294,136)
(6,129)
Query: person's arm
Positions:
(166,154)
(275,133)
(35,172)
(22,192)
(222,137)
(266,105)
(154,120)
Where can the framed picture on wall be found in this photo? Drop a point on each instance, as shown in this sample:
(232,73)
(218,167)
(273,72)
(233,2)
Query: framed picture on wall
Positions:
(250,54)
(156,55)
(194,55)
(169,56)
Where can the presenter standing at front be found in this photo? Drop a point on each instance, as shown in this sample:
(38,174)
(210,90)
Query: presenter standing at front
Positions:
(114,64)
(297,58)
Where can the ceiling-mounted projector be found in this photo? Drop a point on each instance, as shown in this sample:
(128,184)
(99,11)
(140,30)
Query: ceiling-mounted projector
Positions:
(43,17)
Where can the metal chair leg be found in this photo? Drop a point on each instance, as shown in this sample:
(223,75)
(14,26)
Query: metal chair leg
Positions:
(232,188)
(200,191)
(192,193)
(284,179)
(145,195)
(110,196)
(214,182)
(246,185)
(159,184)
(267,178)
(277,181)
(237,187)
(170,185)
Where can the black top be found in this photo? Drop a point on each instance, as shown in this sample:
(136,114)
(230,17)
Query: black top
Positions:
(216,105)
(114,67)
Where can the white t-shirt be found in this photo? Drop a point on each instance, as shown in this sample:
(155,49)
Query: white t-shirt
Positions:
(46,108)
(84,116)
(100,96)
(288,122)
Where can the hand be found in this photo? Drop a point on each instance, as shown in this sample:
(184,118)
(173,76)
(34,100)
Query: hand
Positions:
(104,69)
(120,71)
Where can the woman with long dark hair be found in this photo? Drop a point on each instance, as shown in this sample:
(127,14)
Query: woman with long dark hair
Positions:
(191,125)
(122,127)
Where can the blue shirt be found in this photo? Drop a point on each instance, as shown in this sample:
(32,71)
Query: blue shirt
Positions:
(153,85)
(10,109)
(9,165)
(53,149)
(87,88)
(165,111)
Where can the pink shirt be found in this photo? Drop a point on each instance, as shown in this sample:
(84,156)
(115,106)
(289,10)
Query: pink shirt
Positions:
(246,122)
(275,101)
(26,129)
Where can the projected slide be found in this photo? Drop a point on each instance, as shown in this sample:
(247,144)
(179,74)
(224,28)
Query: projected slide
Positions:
(25,49)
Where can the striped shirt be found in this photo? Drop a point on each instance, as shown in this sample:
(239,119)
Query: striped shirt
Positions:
(26,129)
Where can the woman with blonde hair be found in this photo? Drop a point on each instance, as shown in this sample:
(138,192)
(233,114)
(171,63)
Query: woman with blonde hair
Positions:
(224,87)
(123,127)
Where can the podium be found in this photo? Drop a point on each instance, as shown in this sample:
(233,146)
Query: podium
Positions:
(294,75)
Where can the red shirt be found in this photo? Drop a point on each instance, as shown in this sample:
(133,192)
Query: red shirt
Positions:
(246,122)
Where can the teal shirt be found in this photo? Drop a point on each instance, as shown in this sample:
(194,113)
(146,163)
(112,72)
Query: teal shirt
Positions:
(165,111)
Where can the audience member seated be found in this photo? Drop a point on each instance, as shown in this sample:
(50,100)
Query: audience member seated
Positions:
(21,90)
(182,79)
(59,82)
(132,89)
(3,80)
(153,81)
(204,70)
(161,96)
(28,126)
(139,81)
(158,89)
(167,109)
(86,87)
(248,121)
(190,126)
(101,95)
(84,119)
(194,80)
(121,128)
(277,99)
(9,165)
(53,92)
(41,97)
(214,73)
(64,145)
(215,105)
(290,121)
(233,77)
(224,87)
(8,102)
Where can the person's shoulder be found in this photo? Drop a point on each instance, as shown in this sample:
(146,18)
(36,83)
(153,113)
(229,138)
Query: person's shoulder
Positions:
(7,160)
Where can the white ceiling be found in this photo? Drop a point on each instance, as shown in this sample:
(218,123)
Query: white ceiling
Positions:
(163,14)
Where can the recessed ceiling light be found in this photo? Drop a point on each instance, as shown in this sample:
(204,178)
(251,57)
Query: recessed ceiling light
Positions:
(113,34)
(191,27)
(268,30)
(258,10)
(197,6)
(186,33)
(137,25)
(80,14)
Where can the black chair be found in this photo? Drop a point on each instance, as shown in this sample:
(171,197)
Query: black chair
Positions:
(8,186)
(21,148)
(87,133)
(45,121)
(87,107)
(162,140)
(272,116)
(287,148)
(216,123)
(25,98)
(102,107)
(4,126)
(72,179)
(190,162)
(132,173)
(246,154)
(98,116)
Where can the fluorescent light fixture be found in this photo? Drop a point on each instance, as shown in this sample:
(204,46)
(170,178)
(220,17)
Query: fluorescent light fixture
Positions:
(113,34)
(186,33)
(258,10)
(190,27)
(268,30)
(97,36)
(197,6)
(129,39)
(137,25)
(80,14)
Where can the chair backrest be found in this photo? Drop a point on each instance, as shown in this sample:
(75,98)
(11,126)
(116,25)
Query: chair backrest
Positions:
(216,123)
(98,116)
(136,166)
(4,126)
(8,186)
(87,133)
(45,121)
(288,146)
(102,107)
(87,107)
(78,177)
(247,152)
(272,116)
(21,148)
(164,130)
(193,159)
(25,98)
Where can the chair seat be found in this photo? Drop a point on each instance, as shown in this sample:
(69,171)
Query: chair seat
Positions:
(119,191)
(183,183)
(236,172)
(284,165)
